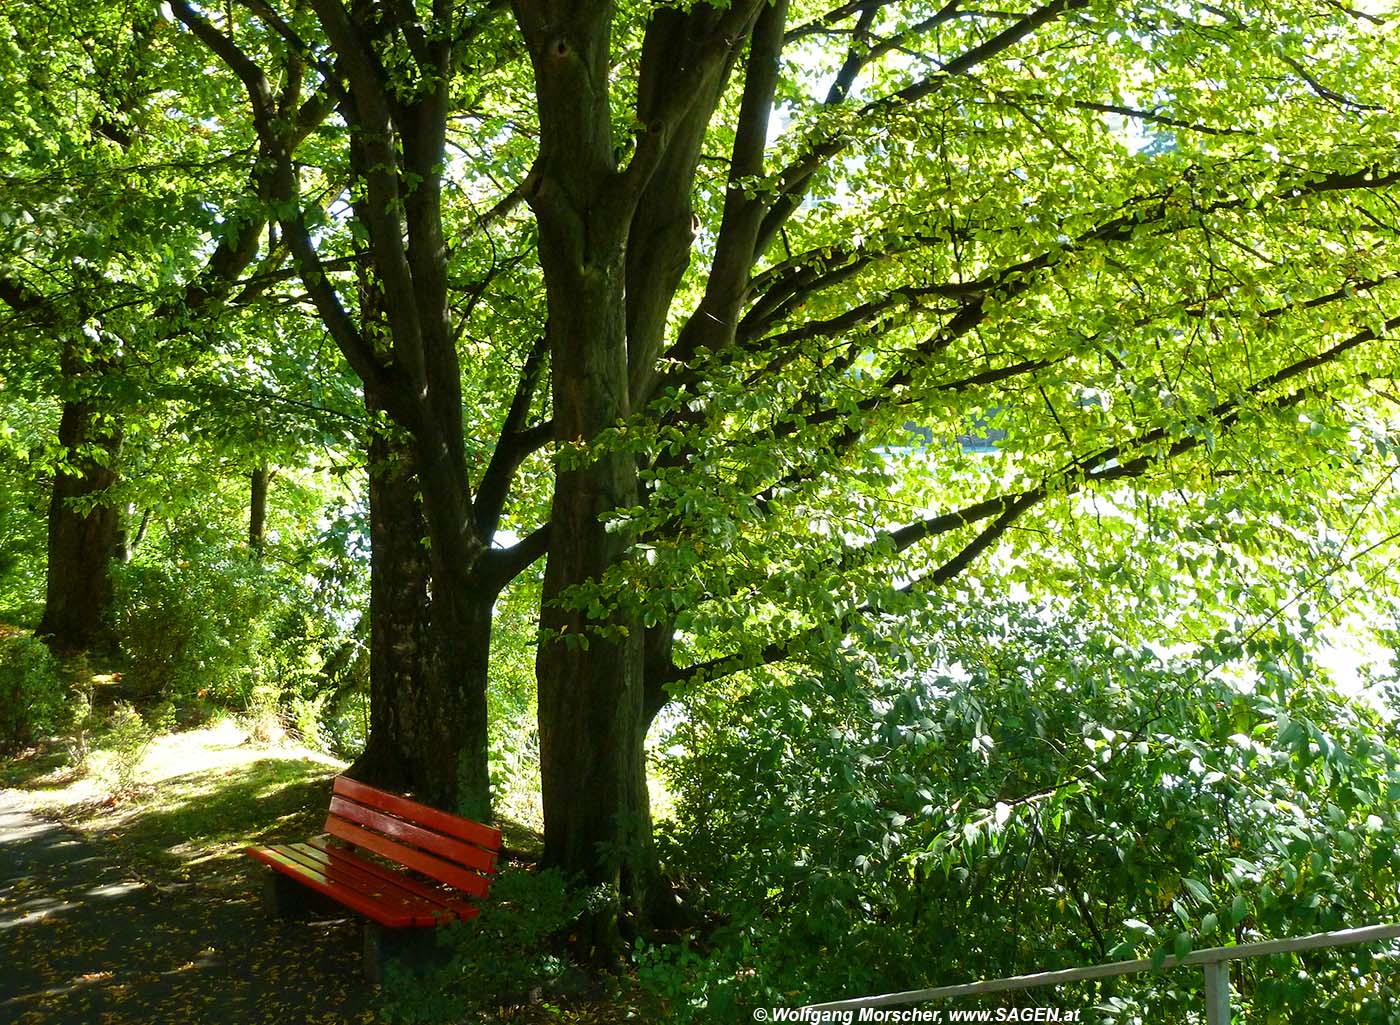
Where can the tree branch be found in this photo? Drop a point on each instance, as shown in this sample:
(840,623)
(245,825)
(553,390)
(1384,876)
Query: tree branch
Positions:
(515,441)
(502,565)
(1106,465)
(794,181)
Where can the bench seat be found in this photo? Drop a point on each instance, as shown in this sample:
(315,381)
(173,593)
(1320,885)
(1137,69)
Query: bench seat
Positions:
(390,897)
(403,865)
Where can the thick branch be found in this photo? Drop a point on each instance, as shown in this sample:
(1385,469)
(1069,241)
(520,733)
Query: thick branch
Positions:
(499,566)
(516,441)
(713,324)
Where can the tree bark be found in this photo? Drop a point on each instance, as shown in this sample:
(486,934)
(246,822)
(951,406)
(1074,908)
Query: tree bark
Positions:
(400,639)
(83,521)
(614,243)
(597,822)
(430,620)
(427,669)
(588,667)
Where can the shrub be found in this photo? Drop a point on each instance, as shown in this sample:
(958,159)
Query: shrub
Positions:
(502,956)
(35,699)
(188,632)
(1029,793)
(125,737)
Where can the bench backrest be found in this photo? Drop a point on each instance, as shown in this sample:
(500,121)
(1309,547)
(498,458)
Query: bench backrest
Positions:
(452,850)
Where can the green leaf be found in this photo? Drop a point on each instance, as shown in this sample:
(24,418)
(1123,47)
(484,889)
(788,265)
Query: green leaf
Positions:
(1181,945)
(1198,889)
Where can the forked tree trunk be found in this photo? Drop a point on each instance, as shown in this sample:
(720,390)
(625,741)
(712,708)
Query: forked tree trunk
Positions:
(589,669)
(614,244)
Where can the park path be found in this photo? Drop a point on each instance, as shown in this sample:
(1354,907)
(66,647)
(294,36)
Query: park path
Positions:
(84,942)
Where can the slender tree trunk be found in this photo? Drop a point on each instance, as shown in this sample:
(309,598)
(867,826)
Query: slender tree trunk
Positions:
(125,543)
(257,510)
(83,521)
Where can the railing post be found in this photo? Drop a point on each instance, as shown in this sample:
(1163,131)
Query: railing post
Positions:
(1217,993)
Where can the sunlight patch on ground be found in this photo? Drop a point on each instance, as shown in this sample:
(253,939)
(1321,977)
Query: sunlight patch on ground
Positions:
(171,764)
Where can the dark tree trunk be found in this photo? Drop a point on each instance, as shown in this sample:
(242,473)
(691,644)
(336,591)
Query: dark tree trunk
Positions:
(257,510)
(83,521)
(399,596)
(427,702)
(428,667)
(614,244)
(597,819)
(597,823)
(429,636)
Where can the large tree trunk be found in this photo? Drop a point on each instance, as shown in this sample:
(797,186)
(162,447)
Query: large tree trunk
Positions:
(597,822)
(428,658)
(430,627)
(83,522)
(589,668)
(614,244)
(400,641)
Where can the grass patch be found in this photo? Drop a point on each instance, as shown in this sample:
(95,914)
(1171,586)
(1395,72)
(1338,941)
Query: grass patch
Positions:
(204,795)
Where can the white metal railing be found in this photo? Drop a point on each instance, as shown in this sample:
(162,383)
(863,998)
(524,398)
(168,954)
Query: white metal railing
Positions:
(1212,959)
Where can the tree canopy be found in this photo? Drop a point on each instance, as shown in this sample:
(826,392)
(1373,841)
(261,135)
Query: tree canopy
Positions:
(771,330)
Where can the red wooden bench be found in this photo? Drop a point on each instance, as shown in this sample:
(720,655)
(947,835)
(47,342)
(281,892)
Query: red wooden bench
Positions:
(401,864)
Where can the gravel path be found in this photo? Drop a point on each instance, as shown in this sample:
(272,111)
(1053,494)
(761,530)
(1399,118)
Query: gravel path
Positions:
(83,941)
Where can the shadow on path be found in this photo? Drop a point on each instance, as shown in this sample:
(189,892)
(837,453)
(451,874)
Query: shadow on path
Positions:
(84,943)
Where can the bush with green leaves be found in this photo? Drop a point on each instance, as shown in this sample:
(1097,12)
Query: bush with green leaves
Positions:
(504,955)
(1030,790)
(36,699)
(231,633)
(189,630)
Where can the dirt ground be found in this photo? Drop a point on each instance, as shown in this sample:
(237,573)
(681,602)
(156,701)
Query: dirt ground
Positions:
(84,941)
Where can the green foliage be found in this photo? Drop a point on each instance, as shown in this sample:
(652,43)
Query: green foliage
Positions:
(514,735)
(205,626)
(504,955)
(1030,792)
(22,516)
(344,729)
(191,631)
(35,693)
(1148,246)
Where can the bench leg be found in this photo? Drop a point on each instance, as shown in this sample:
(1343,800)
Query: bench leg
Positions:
(283,896)
(409,949)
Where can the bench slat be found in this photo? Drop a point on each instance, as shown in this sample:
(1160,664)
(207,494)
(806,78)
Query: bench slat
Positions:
(408,832)
(413,837)
(388,892)
(420,861)
(325,849)
(390,888)
(395,804)
(365,904)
